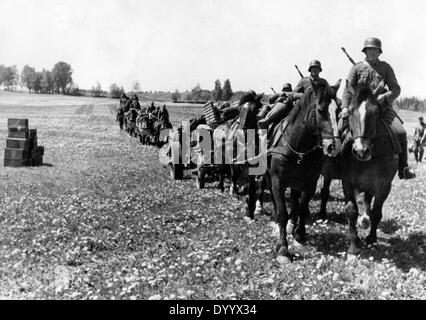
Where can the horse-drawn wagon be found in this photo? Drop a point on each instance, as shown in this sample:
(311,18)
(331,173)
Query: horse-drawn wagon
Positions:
(200,158)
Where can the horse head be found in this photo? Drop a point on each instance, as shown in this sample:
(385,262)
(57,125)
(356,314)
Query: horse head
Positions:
(363,113)
(250,104)
(321,102)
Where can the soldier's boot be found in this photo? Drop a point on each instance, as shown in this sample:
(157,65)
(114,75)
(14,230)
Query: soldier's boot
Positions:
(421,151)
(404,170)
(278,112)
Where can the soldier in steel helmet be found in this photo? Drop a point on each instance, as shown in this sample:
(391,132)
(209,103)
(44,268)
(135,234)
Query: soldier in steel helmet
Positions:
(371,72)
(123,107)
(419,139)
(135,102)
(279,106)
(285,101)
(314,69)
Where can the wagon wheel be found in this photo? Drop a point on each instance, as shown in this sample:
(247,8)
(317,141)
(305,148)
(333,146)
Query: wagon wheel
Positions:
(176,171)
(200,178)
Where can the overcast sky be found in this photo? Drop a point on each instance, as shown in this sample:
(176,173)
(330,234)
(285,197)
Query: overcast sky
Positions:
(169,44)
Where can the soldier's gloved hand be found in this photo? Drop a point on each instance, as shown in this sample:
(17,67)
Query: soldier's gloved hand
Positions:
(345,112)
(381,98)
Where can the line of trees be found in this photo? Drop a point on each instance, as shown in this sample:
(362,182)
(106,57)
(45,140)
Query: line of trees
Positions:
(197,94)
(411,104)
(9,77)
(57,80)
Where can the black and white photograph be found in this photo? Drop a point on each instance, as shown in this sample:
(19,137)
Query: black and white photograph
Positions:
(233,152)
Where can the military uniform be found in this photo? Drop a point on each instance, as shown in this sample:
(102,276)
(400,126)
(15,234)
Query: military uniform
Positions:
(306,82)
(371,73)
(418,139)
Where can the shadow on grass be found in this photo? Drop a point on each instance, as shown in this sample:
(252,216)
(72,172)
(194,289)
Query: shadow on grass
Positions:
(46,165)
(389,226)
(335,217)
(405,253)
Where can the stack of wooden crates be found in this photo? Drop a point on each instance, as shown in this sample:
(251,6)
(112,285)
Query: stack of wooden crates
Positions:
(21,145)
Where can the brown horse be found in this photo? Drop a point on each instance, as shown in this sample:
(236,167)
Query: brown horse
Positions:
(296,159)
(370,164)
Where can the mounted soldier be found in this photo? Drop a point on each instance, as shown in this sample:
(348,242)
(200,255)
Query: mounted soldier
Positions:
(285,101)
(372,72)
(418,139)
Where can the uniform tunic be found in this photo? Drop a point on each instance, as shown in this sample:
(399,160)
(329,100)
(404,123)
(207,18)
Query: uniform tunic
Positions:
(372,74)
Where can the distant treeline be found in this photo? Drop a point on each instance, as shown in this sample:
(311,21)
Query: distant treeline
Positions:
(411,104)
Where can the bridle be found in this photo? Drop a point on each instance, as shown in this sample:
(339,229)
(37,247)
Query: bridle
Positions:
(317,133)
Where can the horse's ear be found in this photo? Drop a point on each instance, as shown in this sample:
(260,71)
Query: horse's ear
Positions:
(337,85)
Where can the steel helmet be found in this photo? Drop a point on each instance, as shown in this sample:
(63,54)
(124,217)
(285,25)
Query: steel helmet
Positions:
(372,43)
(287,87)
(314,63)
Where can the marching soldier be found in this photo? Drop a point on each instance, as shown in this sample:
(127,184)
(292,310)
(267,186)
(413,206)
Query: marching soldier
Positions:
(419,139)
(135,102)
(164,115)
(151,108)
(121,109)
(372,71)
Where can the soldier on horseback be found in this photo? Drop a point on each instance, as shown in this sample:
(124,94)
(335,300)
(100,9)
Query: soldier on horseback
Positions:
(371,72)
(284,102)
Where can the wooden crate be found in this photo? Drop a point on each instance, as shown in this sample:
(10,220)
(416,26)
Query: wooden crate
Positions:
(37,156)
(14,163)
(18,133)
(17,124)
(33,138)
(17,143)
(16,154)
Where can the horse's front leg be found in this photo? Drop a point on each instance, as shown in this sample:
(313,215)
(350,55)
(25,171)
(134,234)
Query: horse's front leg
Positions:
(300,231)
(278,192)
(325,194)
(376,215)
(251,197)
(294,212)
(351,212)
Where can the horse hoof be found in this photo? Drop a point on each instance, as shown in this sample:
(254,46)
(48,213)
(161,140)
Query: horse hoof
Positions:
(283,260)
(248,219)
(351,258)
(298,244)
(354,250)
(371,241)
(290,227)
(275,229)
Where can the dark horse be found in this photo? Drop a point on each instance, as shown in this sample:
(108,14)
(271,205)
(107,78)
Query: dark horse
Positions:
(296,157)
(370,164)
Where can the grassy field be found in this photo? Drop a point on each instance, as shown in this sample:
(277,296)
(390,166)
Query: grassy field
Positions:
(102,220)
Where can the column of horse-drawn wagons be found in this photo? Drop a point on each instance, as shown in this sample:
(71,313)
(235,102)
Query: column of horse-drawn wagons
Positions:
(199,157)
